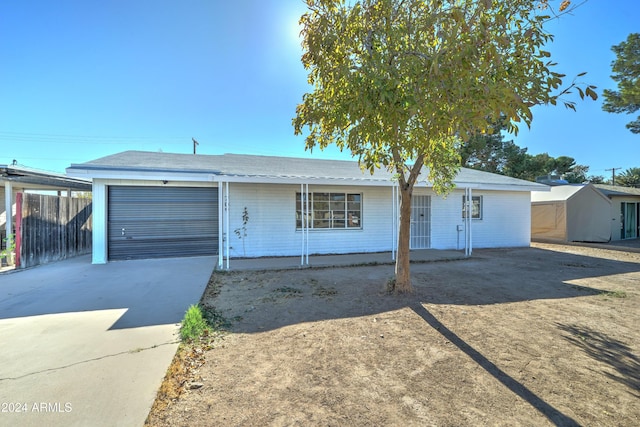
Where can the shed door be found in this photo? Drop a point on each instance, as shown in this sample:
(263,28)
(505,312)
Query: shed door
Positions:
(160,222)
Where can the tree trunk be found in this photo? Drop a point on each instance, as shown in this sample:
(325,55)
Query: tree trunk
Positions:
(403,275)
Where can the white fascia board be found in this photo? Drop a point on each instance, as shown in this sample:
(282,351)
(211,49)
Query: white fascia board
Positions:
(141,175)
(502,187)
(299,179)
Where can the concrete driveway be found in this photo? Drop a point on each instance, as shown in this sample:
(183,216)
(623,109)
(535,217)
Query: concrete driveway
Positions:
(86,344)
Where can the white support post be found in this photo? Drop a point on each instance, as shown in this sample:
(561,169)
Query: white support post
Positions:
(468,240)
(226,221)
(307,225)
(394,220)
(220,225)
(100,204)
(303,216)
(471,222)
(304,223)
(8,206)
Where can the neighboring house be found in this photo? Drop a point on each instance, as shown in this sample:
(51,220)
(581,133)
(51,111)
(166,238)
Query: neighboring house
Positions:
(18,179)
(625,211)
(571,213)
(148,204)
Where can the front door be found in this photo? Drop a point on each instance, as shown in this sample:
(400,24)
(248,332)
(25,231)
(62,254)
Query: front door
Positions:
(420,222)
(629,220)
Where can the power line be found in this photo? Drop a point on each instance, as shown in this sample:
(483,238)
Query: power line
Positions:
(86,139)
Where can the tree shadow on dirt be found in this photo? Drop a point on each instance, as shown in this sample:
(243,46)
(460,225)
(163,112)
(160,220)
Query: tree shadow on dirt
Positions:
(267,300)
(613,353)
(554,415)
(263,301)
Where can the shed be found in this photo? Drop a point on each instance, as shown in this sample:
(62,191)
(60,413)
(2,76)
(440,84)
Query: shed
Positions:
(625,211)
(571,213)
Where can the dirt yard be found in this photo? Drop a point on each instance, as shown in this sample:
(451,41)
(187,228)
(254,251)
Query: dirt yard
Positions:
(548,335)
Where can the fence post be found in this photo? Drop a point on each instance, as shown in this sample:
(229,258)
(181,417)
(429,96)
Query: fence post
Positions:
(18,230)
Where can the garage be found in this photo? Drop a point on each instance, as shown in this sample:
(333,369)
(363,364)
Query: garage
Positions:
(161,222)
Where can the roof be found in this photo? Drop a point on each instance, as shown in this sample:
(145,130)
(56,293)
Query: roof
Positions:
(561,193)
(252,168)
(617,190)
(40,179)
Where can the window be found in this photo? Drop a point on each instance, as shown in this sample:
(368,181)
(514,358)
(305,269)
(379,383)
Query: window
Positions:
(331,211)
(476,207)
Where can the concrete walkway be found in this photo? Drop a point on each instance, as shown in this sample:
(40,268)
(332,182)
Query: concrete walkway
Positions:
(89,345)
(325,261)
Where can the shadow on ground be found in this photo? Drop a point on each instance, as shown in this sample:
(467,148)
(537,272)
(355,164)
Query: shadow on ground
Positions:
(267,300)
(259,302)
(152,291)
(625,365)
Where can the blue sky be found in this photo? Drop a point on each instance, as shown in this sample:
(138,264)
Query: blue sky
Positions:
(83,79)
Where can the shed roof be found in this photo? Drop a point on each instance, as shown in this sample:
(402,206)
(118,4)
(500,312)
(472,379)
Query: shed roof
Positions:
(617,190)
(42,180)
(280,169)
(562,193)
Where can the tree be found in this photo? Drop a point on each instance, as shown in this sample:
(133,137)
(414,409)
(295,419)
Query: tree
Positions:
(400,82)
(596,179)
(629,178)
(538,165)
(489,152)
(578,175)
(626,72)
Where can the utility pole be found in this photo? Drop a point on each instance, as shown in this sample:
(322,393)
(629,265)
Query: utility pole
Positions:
(194,145)
(613,174)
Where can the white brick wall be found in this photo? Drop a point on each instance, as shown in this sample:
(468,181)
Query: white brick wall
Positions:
(506,220)
(271,229)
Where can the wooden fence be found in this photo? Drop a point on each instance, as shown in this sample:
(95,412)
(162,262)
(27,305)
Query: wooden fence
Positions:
(51,228)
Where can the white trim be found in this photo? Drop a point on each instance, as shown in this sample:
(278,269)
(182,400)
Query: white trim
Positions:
(468,221)
(141,175)
(204,176)
(303,214)
(307,221)
(304,223)
(395,209)
(502,187)
(99,202)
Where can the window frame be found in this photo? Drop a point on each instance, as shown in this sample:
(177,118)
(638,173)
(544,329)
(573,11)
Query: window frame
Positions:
(334,210)
(474,216)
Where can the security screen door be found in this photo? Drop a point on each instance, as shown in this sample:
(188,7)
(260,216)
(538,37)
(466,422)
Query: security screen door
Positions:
(420,222)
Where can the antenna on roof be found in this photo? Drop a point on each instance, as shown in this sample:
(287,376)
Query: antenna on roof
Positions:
(194,145)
